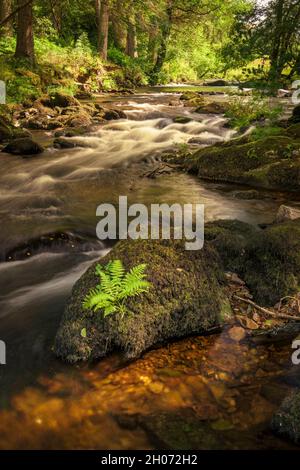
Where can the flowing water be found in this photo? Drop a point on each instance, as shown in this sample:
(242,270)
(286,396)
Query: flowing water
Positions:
(47,209)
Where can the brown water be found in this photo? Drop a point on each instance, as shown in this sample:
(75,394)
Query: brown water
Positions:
(48,405)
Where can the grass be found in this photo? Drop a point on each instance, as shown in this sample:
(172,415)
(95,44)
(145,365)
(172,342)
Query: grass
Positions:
(244,111)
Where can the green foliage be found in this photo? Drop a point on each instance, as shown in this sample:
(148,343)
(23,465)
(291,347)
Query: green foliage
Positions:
(244,111)
(265,131)
(115,287)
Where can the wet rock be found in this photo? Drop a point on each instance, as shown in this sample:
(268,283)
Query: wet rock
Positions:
(5,131)
(267,260)
(212,108)
(216,83)
(81,119)
(294,131)
(52,242)
(237,333)
(271,266)
(285,213)
(192,98)
(61,100)
(72,132)
(71,142)
(24,146)
(84,95)
(296,115)
(272,162)
(230,238)
(286,421)
(114,114)
(65,143)
(186,297)
(182,119)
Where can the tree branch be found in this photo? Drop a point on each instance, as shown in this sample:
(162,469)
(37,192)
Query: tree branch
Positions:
(11,15)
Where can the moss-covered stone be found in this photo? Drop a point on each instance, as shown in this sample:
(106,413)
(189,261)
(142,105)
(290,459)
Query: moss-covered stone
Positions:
(186,298)
(271,265)
(212,108)
(294,131)
(272,162)
(230,238)
(267,260)
(286,421)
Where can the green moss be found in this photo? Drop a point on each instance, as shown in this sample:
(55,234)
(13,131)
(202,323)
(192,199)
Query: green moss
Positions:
(271,266)
(286,421)
(187,297)
(271,162)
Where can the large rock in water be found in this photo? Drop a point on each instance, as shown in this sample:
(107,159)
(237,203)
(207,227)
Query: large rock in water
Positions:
(272,162)
(271,265)
(267,260)
(24,146)
(186,297)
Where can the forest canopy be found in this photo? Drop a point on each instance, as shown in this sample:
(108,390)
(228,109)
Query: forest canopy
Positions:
(127,43)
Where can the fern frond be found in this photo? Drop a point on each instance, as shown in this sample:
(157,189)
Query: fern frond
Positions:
(115,286)
(116,270)
(135,287)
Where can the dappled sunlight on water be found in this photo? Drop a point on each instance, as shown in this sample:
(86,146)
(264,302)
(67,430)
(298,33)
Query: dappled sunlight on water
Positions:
(211,384)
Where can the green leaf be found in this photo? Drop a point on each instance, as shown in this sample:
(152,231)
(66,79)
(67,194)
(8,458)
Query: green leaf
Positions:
(83,332)
(115,286)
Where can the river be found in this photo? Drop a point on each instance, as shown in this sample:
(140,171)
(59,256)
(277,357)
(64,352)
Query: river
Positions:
(47,209)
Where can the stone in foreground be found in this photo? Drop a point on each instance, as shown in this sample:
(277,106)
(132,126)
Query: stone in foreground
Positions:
(186,298)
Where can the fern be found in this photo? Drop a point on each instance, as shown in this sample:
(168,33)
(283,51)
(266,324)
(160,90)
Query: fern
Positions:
(115,287)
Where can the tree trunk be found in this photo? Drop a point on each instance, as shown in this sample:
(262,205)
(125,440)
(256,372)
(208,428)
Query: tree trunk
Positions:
(153,43)
(5,10)
(103,29)
(98,15)
(119,29)
(165,36)
(25,40)
(56,10)
(275,68)
(131,45)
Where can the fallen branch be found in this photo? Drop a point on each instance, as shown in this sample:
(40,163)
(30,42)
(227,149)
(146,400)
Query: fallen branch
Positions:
(266,311)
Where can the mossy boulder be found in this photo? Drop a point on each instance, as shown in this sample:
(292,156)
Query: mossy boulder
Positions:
(272,162)
(212,108)
(24,146)
(294,131)
(191,98)
(271,265)
(230,238)
(286,421)
(62,100)
(296,114)
(186,297)
(267,260)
